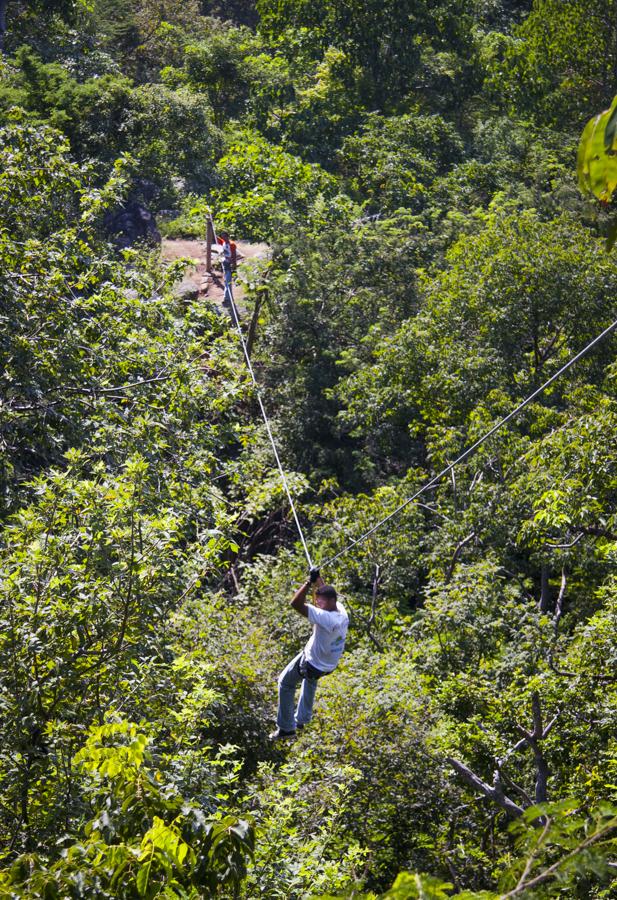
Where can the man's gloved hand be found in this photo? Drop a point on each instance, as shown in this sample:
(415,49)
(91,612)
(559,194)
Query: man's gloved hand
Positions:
(313,575)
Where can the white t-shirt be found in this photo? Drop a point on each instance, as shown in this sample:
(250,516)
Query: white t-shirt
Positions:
(327,642)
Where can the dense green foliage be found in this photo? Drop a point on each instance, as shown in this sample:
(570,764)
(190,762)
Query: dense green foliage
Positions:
(412,166)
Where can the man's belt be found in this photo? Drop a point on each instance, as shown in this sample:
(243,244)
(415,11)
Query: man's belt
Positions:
(307,670)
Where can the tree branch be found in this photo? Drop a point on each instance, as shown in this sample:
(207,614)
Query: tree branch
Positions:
(533,739)
(494,793)
(559,604)
(371,620)
(552,870)
(457,552)
(569,545)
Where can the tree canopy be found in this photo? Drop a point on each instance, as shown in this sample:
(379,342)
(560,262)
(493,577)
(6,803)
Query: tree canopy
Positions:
(433,251)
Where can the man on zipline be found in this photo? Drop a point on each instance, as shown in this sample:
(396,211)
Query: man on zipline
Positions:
(320,656)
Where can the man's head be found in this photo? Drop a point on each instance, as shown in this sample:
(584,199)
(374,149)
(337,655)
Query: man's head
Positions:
(325,597)
(224,235)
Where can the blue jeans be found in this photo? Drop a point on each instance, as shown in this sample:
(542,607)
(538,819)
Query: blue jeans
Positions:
(288,681)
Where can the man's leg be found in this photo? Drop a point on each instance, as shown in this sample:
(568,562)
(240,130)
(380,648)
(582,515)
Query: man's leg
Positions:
(288,680)
(304,711)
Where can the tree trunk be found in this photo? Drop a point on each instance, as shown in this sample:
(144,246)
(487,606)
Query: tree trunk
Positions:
(545,591)
(3,5)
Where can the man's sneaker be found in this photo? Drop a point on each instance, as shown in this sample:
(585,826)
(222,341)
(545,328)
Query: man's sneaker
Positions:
(279,734)
(299,726)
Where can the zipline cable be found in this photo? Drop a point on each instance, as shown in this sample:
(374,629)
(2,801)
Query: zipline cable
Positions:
(228,293)
(473,447)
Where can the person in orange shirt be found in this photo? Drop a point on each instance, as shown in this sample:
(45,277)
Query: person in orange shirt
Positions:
(229,256)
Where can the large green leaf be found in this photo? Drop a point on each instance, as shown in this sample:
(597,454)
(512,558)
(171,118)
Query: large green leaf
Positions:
(597,156)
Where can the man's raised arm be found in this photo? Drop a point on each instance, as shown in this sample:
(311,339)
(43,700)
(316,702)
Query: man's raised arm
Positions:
(298,601)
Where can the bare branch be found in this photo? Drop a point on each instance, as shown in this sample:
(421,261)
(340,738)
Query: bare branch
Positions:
(564,673)
(548,728)
(494,793)
(534,855)
(536,711)
(572,543)
(597,531)
(517,789)
(457,552)
(475,481)
(431,509)
(552,870)
(371,619)
(533,739)
(559,604)
(557,618)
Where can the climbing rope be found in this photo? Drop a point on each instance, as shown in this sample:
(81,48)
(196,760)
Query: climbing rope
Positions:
(229,294)
(436,478)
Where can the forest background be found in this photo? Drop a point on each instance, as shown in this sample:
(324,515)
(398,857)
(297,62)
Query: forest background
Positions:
(412,166)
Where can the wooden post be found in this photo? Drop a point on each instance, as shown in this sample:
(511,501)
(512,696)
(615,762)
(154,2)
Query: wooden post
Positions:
(255,318)
(209,242)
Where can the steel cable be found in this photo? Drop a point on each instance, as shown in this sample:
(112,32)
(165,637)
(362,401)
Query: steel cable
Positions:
(436,478)
(229,294)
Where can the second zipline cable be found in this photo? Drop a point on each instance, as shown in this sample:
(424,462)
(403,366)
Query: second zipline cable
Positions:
(433,481)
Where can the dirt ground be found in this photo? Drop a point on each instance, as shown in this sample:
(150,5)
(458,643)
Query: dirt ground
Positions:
(197,278)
